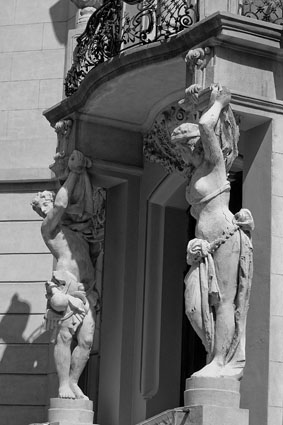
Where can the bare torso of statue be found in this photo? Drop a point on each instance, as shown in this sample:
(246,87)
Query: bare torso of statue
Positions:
(71,252)
(70,294)
(214,296)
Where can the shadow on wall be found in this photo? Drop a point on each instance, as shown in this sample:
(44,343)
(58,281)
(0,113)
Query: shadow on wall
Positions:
(63,14)
(24,365)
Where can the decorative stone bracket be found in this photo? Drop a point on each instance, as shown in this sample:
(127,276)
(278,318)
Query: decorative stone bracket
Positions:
(198,58)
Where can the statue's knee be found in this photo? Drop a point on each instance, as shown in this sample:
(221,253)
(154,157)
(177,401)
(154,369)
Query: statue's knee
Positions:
(86,342)
(64,336)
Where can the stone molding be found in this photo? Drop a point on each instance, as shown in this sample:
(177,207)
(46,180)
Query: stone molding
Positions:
(235,31)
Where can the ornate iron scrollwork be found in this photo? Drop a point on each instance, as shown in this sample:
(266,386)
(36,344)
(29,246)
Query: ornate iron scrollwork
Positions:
(264,10)
(110,32)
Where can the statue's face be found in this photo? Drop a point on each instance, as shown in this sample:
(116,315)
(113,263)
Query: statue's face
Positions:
(190,150)
(60,166)
(43,203)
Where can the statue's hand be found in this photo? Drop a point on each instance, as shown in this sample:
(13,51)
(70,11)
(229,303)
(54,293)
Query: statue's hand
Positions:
(191,93)
(220,94)
(78,162)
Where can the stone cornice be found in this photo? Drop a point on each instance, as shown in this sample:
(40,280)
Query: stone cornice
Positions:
(262,104)
(256,37)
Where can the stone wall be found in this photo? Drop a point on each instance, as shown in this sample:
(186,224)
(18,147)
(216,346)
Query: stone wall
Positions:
(33,38)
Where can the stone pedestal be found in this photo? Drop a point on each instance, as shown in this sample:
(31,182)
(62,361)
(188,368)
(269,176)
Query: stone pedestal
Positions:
(211,401)
(70,412)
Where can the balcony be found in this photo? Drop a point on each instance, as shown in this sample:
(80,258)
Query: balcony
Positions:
(118,26)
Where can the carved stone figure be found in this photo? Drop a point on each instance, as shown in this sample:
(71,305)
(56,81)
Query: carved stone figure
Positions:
(219,280)
(67,230)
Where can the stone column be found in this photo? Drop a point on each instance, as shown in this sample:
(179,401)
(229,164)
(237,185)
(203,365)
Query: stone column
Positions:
(85,9)
(208,7)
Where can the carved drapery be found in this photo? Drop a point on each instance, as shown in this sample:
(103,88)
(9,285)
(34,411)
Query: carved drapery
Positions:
(264,10)
(63,128)
(110,31)
(158,147)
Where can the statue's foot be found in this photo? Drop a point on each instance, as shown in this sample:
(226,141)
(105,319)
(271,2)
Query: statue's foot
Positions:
(66,392)
(233,371)
(215,370)
(77,391)
(212,370)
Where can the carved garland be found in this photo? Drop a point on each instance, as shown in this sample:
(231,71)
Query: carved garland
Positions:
(158,147)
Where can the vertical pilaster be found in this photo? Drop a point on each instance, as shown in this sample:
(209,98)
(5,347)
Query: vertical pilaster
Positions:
(208,7)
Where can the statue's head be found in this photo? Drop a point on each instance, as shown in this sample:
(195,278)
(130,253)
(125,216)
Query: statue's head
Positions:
(186,138)
(43,202)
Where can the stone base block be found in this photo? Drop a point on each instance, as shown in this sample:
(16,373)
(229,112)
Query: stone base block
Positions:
(212,415)
(70,412)
(223,392)
(66,423)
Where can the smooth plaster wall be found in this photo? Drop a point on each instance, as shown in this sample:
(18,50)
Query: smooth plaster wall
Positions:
(33,38)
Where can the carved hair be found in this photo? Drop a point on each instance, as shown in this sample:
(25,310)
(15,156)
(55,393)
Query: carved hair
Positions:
(47,195)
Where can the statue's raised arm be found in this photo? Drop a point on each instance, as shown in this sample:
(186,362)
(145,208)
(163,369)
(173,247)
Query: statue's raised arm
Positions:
(220,99)
(220,257)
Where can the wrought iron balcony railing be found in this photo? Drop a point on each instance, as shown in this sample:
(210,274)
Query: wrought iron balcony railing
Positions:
(111,30)
(264,10)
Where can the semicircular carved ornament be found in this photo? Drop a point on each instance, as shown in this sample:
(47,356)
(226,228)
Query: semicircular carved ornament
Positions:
(158,147)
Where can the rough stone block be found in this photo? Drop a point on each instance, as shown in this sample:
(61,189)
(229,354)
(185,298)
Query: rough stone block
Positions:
(276,257)
(22,415)
(276,295)
(42,154)
(277,216)
(275,393)
(66,411)
(275,415)
(223,392)
(50,92)
(17,38)
(277,131)
(21,238)
(23,390)
(277,175)
(4,124)
(29,11)
(19,95)
(213,415)
(36,267)
(49,64)
(24,358)
(16,206)
(14,296)
(55,35)
(276,338)
(23,328)
(5,66)
(37,127)
(7,16)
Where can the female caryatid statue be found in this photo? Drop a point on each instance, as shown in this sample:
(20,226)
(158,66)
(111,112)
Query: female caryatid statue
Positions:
(219,279)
